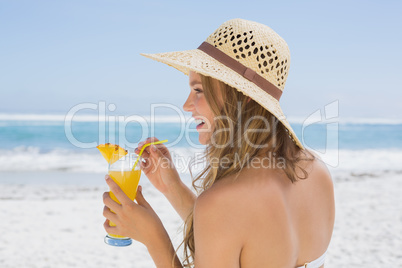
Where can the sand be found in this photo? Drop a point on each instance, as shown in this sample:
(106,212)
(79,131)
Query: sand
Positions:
(54,219)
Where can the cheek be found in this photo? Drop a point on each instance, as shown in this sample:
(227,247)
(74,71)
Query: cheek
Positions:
(204,110)
(201,105)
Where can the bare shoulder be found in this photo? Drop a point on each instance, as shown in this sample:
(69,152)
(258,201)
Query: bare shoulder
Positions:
(222,202)
(318,172)
(251,199)
(239,193)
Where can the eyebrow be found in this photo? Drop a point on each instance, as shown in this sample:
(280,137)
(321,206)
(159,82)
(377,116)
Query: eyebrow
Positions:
(195,83)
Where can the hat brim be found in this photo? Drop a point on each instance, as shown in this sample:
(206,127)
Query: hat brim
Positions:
(200,62)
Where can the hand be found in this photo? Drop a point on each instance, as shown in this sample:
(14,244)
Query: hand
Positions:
(136,220)
(158,166)
(161,172)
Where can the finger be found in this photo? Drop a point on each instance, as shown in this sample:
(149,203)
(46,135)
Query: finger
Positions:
(155,151)
(140,198)
(158,159)
(163,150)
(109,202)
(152,139)
(148,140)
(147,156)
(145,153)
(161,147)
(140,144)
(109,214)
(118,192)
(143,160)
(145,165)
(110,229)
(157,155)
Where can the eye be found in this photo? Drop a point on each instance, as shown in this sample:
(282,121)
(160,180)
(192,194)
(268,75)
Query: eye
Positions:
(197,90)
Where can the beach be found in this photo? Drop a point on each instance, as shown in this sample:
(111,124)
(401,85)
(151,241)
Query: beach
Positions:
(368,224)
(51,191)
(60,224)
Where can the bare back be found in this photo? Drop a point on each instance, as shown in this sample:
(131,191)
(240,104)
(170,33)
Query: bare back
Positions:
(277,223)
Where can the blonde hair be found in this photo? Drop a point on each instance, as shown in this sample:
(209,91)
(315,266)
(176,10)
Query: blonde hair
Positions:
(234,140)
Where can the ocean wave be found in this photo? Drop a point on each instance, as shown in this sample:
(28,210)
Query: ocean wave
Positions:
(341,163)
(30,158)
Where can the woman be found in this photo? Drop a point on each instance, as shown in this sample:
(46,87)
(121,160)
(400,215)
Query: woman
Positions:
(265,201)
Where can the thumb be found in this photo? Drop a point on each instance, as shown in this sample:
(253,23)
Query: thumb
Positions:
(140,198)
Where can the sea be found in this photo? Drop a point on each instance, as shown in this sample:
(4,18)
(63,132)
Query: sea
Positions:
(351,147)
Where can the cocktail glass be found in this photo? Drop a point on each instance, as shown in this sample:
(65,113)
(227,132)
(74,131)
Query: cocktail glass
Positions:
(121,171)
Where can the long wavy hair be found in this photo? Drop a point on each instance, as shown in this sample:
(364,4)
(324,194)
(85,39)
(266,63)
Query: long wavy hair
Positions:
(234,139)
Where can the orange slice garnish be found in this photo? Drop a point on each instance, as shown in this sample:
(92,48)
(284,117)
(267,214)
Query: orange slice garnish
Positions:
(111,152)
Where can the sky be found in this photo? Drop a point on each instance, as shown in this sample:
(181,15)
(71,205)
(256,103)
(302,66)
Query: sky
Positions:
(55,55)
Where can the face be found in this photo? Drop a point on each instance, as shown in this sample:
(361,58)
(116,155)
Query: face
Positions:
(198,106)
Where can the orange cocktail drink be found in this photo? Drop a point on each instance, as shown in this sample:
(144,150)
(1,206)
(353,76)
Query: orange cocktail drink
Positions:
(128,182)
(122,171)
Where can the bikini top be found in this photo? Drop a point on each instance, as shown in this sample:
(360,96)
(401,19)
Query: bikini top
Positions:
(316,263)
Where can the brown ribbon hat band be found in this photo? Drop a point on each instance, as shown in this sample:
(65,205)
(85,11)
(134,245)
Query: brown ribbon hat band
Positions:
(239,68)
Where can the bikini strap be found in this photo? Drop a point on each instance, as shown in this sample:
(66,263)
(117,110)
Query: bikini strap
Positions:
(316,263)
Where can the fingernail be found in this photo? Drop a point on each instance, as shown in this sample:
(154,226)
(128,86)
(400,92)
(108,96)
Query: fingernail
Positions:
(139,188)
(106,177)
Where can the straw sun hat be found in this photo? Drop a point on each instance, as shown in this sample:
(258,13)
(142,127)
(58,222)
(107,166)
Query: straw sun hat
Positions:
(246,55)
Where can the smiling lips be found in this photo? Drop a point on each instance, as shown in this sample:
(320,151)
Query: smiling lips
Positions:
(200,122)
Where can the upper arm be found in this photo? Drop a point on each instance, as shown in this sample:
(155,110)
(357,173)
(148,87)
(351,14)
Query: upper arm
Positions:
(217,231)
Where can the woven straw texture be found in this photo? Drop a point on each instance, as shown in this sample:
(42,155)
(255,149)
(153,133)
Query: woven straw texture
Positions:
(254,45)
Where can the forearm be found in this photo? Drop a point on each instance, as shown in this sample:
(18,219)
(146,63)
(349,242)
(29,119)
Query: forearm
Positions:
(182,199)
(163,254)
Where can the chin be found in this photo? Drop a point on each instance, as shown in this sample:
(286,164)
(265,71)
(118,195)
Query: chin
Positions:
(203,139)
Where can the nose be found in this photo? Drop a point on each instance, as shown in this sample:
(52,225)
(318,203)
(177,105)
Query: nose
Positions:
(188,106)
